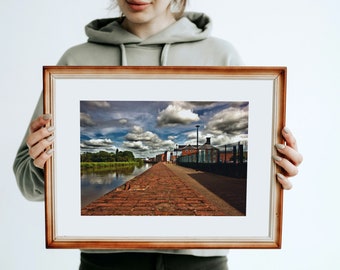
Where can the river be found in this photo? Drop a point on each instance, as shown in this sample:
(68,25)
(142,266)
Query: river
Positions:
(96,183)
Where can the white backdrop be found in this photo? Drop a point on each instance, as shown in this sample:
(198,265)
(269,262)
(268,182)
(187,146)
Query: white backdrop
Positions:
(302,35)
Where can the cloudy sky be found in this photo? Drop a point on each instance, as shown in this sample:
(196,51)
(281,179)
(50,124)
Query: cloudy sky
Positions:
(150,128)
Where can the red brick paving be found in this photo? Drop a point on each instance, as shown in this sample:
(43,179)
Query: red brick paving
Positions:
(159,191)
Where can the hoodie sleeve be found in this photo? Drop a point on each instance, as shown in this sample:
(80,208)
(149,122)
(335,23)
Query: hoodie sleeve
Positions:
(30,179)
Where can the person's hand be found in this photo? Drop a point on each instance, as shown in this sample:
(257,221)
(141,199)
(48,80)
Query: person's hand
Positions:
(39,140)
(288,159)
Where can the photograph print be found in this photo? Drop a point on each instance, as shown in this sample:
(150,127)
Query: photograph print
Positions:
(159,158)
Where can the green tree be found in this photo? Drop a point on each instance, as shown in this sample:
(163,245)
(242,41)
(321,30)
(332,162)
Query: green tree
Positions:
(103,156)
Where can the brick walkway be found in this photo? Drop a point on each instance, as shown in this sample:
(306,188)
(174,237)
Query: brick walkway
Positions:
(161,190)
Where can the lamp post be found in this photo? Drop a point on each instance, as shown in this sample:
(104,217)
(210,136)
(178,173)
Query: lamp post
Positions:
(225,154)
(176,150)
(197,127)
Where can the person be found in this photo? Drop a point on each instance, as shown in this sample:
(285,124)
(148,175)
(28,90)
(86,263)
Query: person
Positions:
(149,32)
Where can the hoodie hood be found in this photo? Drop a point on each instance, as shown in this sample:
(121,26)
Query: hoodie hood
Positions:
(189,28)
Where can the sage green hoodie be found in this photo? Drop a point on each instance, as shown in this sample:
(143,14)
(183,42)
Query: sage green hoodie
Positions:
(184,43)
(187,42)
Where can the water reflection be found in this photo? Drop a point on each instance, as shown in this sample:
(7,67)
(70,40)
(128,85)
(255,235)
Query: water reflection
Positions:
(97,182)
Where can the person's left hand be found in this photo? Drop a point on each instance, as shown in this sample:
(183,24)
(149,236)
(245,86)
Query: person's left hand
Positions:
(289,159)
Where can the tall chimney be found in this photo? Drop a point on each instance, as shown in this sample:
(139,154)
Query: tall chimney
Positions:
(208,140)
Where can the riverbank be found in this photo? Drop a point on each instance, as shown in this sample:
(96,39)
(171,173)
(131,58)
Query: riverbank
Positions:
(98,165)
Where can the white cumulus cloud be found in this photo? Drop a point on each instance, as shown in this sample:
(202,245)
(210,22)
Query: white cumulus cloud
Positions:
(175,114)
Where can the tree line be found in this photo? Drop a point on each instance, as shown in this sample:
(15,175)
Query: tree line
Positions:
(103,156)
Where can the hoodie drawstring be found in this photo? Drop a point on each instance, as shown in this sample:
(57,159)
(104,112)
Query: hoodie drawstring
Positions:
(165,54)
(163,58)
(123,55)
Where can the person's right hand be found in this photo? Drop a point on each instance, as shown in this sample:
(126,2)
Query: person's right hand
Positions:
(39,140)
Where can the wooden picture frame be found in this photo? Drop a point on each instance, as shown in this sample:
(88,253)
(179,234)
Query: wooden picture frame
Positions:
(256,94)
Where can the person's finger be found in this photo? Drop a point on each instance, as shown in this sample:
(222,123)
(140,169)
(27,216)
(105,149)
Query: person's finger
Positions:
(40,122)
(290,153)
(289,138)
(40,161)
(290,169)
(284,181)
(39,135)
(36,150)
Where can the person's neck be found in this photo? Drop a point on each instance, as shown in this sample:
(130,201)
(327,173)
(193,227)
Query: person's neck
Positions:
(145,30)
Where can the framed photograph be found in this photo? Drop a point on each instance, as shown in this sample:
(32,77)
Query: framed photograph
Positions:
(164,157)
